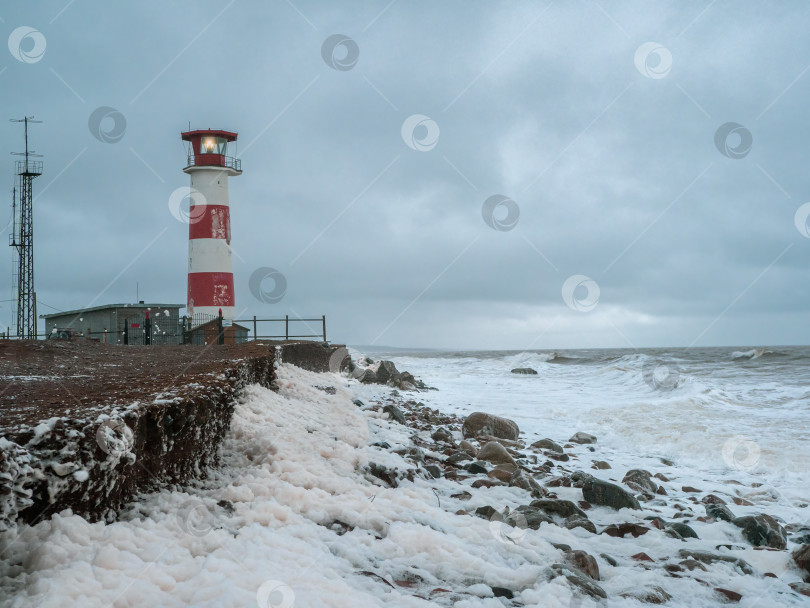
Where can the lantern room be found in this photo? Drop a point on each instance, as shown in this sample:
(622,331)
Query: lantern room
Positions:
(209,148)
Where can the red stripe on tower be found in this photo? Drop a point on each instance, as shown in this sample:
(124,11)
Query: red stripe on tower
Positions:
(211,289)
(210,270)
(209,222)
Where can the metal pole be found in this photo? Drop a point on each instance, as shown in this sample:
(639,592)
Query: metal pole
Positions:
(324,328)
(255,335)
(286,327)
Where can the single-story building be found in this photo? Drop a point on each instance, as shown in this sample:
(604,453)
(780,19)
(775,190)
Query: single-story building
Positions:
(107,323)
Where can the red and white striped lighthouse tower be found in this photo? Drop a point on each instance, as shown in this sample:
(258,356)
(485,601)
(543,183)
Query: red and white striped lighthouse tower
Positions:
(210,272)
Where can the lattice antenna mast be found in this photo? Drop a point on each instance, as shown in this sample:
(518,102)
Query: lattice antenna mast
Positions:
(22,238)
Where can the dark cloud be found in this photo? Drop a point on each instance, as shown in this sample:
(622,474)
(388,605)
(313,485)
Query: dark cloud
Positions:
(615,173)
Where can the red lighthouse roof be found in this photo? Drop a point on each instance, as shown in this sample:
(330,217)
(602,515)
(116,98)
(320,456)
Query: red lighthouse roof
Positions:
(209,148)
(200,133)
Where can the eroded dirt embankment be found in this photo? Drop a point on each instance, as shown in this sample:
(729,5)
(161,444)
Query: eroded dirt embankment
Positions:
(87,426)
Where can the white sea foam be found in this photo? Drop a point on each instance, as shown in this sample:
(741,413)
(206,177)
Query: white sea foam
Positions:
(293,464)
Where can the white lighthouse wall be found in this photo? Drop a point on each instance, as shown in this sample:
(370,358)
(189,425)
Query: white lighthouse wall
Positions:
(212,184)
(209,255)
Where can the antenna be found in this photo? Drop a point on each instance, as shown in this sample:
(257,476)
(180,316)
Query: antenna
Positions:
(22,238)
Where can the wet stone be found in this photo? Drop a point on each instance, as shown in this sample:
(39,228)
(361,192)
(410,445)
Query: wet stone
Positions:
(598,492)
(762,531)
(720,512)
(547,444)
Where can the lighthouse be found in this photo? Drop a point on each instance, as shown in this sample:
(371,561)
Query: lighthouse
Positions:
(210,271)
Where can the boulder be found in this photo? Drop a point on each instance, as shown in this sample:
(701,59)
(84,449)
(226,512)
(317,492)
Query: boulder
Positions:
(547,444)
(606,494)
(528,517)
(600,465)
(683,530)
(583,583)
(692,564)
(467,447)
(762,531)
(522,480)
(562,508)
(648,595)
(487,512)
(434,471)
(502,592)
(525,370)
(580,522)
(478,468)
(719,512)
(707,557)
(479,423)
(487,483)
(802,558)
(387,373)
(503,476)
(712,499)
(394,413)
(582,438)
(366,376)
(641,481)
(495,453)
(731,596)
(801,588)
(620,530)
(442,434)
(583,562)
(457,457)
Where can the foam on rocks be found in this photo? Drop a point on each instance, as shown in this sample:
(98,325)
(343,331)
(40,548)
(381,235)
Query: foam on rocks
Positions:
(322,498)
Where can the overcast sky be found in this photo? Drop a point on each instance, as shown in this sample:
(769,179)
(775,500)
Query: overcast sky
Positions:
(369,159)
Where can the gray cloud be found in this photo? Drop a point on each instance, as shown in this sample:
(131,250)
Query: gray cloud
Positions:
(616,175)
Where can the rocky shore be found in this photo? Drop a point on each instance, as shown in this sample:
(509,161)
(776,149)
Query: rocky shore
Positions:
(565,484)
(330,491)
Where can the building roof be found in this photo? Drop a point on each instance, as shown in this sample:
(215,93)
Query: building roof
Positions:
(107,306)
(227,135)
(212,322)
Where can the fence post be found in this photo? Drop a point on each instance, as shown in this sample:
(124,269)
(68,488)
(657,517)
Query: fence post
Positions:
(147,330)
(221,337)
(126,331)
(255,334)
(286,327)
(324,328)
